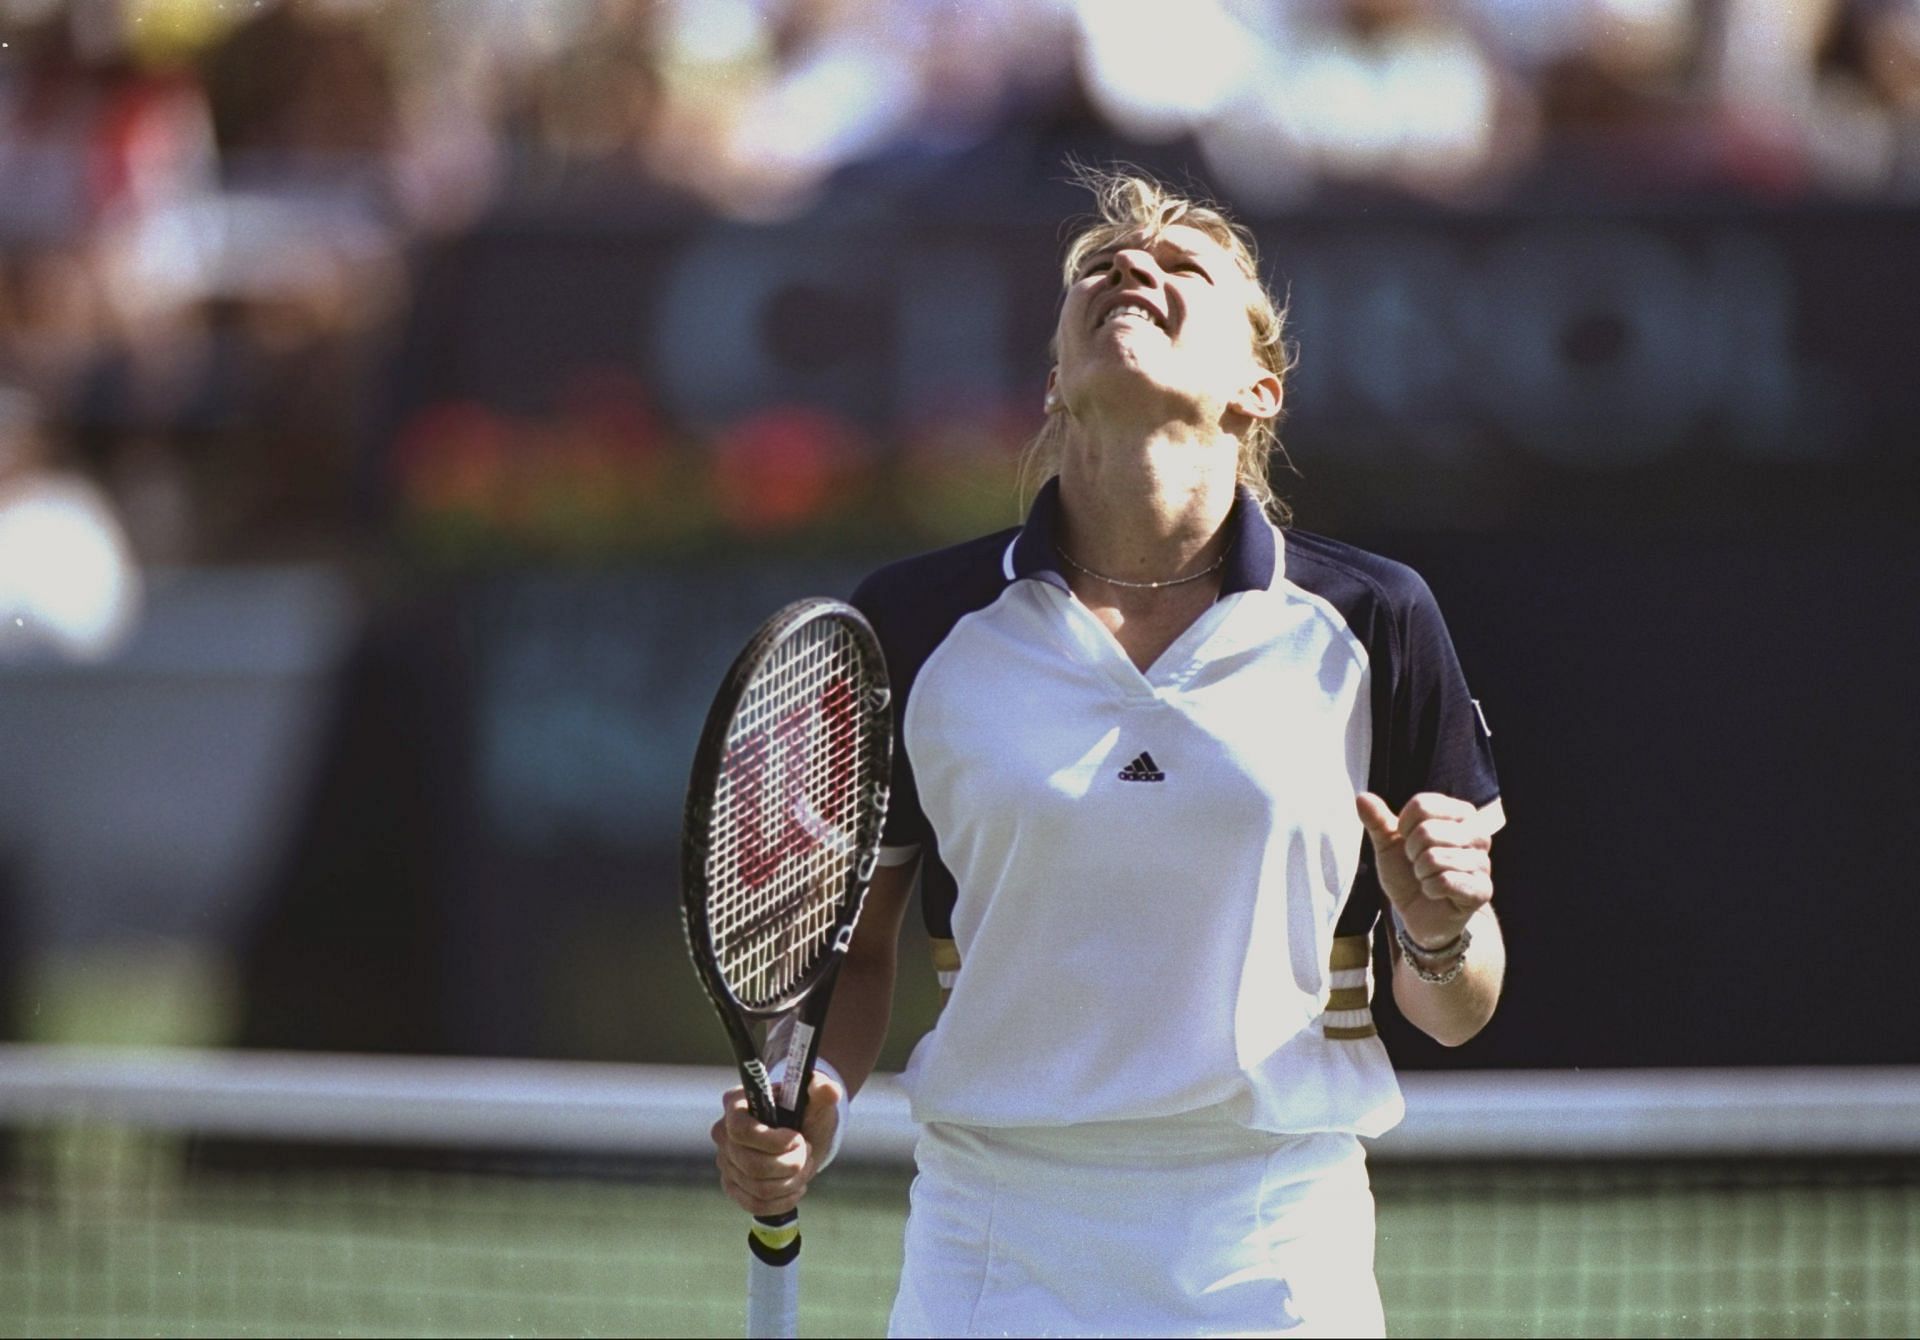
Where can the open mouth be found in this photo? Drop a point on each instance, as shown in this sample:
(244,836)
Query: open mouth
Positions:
(1131,310)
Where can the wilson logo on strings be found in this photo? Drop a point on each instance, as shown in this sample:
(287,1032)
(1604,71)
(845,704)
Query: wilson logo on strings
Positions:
(787,802)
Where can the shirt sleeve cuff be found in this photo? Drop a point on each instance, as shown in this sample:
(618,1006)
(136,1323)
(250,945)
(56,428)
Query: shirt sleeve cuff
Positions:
(846,1113)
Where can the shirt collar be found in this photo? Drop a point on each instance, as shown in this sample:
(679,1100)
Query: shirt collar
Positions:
(1251,564)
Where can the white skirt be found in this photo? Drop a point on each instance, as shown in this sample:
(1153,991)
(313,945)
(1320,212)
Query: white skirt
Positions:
(1191,1225)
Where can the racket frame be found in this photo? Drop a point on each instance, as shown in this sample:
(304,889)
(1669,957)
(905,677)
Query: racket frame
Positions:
(806,1001)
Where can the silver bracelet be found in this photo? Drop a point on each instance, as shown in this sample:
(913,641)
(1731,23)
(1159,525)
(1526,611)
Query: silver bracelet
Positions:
(1413,953)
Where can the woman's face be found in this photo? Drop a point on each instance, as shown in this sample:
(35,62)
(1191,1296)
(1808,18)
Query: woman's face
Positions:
(1148,320)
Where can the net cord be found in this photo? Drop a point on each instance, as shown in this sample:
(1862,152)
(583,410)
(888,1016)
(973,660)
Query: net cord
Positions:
(664,1111)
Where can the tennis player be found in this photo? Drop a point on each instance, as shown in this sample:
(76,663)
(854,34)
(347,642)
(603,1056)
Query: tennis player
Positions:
(1163,764)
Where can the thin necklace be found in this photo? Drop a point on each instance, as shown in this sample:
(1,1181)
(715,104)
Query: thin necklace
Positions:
(1211,568)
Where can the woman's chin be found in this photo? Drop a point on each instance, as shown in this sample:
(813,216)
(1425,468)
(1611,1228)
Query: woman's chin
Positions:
(1125,370)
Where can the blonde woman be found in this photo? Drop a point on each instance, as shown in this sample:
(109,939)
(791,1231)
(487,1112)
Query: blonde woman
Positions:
(1163,764)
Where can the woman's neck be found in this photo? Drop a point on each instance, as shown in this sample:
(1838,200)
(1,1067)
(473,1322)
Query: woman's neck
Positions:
(1146,507)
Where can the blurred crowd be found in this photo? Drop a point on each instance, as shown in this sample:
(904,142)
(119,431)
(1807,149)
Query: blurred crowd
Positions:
(207,207)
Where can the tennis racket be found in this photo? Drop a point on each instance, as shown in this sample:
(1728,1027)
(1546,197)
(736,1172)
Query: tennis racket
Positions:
(782,831)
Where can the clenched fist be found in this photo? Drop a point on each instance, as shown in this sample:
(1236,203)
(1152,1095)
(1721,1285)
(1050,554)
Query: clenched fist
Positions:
(766,1169)
(1434,859)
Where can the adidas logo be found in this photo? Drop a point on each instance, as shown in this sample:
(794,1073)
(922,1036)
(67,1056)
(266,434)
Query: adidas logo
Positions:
(1142,769)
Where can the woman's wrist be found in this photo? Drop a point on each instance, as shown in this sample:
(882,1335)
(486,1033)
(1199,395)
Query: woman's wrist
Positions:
(823,1067)
(1446,948)
(1438,964)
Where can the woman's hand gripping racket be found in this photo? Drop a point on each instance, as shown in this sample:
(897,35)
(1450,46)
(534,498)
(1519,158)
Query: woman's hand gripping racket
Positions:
(782,830)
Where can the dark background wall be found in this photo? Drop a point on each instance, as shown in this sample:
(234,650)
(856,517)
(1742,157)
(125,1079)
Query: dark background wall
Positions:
(1657,466)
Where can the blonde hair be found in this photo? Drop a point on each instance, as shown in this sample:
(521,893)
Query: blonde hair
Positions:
(1130,203)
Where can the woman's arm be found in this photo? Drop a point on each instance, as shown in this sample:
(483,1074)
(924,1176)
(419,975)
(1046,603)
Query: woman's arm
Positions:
(765,1169)
(863,999)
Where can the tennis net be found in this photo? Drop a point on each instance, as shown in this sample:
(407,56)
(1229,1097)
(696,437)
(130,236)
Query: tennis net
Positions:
(252,1193)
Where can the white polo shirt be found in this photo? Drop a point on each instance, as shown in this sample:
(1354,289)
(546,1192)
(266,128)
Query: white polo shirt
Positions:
(1150,892)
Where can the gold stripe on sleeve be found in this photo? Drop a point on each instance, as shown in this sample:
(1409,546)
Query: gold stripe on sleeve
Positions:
(1351,951)
(946,967)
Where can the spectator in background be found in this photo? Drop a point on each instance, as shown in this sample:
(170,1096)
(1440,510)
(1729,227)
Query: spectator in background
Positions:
(1400,96)
(68,584)
(209,211)
(1864,115)
(1893,64)
(301,95)
(1621,113)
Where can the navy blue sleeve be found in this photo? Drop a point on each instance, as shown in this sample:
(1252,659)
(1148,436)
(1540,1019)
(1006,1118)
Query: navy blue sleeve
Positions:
(1434,737)
(906,824)
(912,606)
(1438,740)
(1428,733)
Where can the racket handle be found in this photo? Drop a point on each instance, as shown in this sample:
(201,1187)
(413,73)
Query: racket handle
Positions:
(773,1277)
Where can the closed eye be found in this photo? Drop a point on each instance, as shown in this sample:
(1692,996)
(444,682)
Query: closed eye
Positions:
(1178,265)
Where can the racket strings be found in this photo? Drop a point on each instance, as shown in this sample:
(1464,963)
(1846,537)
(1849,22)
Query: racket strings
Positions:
(787,812)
